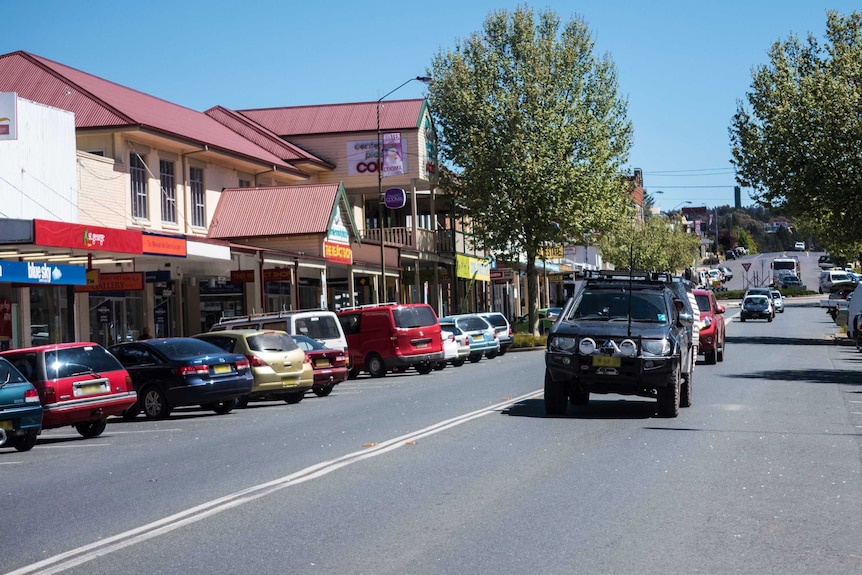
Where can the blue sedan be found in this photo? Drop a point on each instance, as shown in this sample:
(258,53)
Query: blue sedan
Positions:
(482,335)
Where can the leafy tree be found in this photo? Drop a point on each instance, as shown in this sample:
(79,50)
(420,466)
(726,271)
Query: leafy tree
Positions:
(657,245)
(534,131)
(798,141)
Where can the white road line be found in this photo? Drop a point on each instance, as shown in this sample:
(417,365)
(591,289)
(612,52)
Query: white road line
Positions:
(85,553)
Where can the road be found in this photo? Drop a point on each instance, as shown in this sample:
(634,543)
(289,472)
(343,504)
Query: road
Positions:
(460,472)
(760,274)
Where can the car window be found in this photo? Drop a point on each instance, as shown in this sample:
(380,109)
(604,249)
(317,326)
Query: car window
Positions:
(306,343)
(318,327)
(72,361)
(182,347)
(271,342)
(703,302)
(414,316)
(350,323)
(225,342)
(472,323)
(609,305)
(8,373)
(496,319)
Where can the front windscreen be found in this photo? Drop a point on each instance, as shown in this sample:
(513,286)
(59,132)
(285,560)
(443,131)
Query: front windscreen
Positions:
(603,305)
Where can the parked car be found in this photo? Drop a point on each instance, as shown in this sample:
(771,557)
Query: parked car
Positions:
(824,262)
(790,281)
(382,338)
(832,280)
(504,330)
(756,307)
(177,371)
(450,349)
(330,365)
(799,246)
(319,324)
(482,335)
(726,273)
(777,301)
(712,329)
(280,369)
(461,341)
(20,410)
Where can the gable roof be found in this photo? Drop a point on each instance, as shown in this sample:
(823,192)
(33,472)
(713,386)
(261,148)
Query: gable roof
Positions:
(264,138)
(99,103)
(280,211)
(339,118)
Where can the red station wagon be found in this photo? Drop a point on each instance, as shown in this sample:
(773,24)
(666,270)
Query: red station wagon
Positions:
(79,384)
(712,326)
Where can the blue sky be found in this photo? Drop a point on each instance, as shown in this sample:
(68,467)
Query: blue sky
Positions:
(682,65)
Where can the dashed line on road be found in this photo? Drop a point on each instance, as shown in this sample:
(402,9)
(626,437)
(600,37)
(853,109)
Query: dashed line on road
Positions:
(86,553)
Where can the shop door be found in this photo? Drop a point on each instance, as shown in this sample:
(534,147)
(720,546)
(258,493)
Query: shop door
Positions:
(109,322)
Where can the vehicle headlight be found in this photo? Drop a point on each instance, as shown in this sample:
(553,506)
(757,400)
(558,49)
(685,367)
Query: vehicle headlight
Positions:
(707,322)
(587,346)
(658,347)
(564,343)
(628,348)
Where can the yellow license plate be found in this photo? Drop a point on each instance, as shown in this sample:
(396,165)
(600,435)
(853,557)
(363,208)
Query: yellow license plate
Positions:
(477,338)
(221,369)
(606,361)
(91,388)
(7,425)
(321,363)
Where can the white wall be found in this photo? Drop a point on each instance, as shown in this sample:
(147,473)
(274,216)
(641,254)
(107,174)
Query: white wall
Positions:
(38,176)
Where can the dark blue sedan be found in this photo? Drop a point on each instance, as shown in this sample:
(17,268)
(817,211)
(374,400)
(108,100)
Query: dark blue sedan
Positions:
(177,371)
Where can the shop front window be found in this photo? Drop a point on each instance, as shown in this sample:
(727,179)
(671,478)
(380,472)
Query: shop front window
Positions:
(51,315)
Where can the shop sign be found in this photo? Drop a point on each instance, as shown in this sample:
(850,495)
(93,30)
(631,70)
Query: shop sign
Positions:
(277,275)
(394,198)
(154,277)
(337,253)
(242,276)
(128,281)
(393,155)
(337,230)
(95,238)
(92,277)
(163,245)
(8,116)
(468,267)
(42,273)
(550,252)
(362,156)
(104,313)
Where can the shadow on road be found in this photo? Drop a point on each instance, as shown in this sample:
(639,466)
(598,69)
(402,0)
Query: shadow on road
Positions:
(842,376)
(777,340)
(598,408)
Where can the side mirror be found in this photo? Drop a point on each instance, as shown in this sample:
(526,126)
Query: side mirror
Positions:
(720,309)
(685,319)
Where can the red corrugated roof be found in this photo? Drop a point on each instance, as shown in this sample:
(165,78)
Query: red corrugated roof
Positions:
(98,103)
(263,137)
(336,118)
(275,211)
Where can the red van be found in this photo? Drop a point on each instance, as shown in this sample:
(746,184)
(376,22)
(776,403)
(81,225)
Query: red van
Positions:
(387,337)
(79,384)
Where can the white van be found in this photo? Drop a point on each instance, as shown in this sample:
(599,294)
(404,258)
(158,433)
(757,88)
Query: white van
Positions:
(854,313)
(319,324)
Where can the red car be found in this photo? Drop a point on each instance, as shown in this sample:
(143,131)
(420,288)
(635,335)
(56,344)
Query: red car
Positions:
(711,327)
(330,365)
(79,384)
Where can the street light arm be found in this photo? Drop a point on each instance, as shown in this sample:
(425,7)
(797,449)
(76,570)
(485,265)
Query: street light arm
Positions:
(423,79)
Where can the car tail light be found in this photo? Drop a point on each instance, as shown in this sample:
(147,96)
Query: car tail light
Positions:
(242,365)
(255,361)
(31,396)
(50,395)
(306,359)
(510,330)
(192,370)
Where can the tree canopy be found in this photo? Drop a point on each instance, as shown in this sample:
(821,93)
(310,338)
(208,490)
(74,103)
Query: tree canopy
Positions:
(797,137)
(657,245)
(533,132)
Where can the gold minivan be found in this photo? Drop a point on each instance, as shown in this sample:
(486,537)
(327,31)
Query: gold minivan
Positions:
(280,368)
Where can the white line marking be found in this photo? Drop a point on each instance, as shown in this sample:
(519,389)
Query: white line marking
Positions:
(85,553)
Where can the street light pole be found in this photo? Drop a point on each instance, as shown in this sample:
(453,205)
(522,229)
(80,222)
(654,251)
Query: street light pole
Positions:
(384,211)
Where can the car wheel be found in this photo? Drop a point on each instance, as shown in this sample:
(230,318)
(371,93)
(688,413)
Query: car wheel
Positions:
(685,389)
(492,354)
(709,356)
(475,358)
(224,407)
(375,366)
(440,366)
(769,319)
(580,397)
(556,401)
(155,405)
(323,390)
(92,428)
(721,351)
(668,396)
(25,442)
(459,362)
(425,367)
(742,318)
(242,401)
(504,349)
(352,374)
(132,412)
(294,397)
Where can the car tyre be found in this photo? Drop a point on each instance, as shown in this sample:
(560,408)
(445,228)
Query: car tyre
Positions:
(556,401)
(769,319)
(492,354)
(25,442)
(242,401)
(475,357)
(375,366)
(669,396)
(425,367)
(440,366)
(686,387)
(224,407)
(132,412)
(459,362)
(323,390)
(504,349)
(720,352)
(710,356)
(154,403)
(294,398)
(90,429)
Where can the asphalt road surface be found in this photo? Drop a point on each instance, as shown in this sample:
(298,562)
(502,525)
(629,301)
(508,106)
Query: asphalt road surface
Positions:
(460,472)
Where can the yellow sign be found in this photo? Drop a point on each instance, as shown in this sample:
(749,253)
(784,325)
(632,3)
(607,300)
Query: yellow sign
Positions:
(469,268)
(551,252)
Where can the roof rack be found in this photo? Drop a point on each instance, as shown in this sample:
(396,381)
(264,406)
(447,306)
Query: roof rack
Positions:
(265,314)
(627,275)
(368,305)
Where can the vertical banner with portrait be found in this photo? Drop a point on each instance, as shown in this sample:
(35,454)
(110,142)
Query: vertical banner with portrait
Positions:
(393,155)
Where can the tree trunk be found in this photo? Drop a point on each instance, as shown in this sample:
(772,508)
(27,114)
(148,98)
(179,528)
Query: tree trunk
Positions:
(532,295)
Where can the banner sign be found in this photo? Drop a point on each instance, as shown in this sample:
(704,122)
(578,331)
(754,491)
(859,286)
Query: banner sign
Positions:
(337,253)
(468,267)
(95,238)
(119,282)
(393,155)
(242,276)
(42,273)
(362,156)
(277,275)
(163,245)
